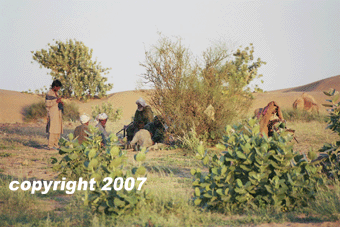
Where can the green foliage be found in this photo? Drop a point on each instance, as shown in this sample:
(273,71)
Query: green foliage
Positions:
(327,202)
(38,110)
(113,115)
(331,159)
(301,115)
(71,112)
(255,172)
(190,140)
(205,94)
(35,111)
(71,63)
(92,161)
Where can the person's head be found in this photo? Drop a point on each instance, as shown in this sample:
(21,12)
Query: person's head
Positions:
(84,119)
(140,104)
(102,118)
(56,85)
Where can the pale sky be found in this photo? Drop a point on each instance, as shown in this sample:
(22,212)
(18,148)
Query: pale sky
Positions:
(299,40)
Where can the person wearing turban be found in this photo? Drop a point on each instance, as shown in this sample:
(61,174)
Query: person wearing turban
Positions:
(80,131)
(102,118)
(143,116)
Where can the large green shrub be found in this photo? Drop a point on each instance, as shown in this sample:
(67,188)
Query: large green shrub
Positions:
(92,161)
(204,93)
(254,171)
(331,160)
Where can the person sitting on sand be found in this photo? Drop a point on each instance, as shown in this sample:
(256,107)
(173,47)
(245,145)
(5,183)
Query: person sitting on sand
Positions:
(102,118)
(156,129)
(80,131)
(143,116)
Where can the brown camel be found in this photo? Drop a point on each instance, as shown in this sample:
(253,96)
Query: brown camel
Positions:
(270,115)
(306,102)
(257,113)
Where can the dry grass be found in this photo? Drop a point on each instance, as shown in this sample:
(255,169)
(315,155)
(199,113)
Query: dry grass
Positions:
(169,180)
(311,135)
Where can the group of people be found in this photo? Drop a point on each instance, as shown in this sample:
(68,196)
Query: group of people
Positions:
(144,131)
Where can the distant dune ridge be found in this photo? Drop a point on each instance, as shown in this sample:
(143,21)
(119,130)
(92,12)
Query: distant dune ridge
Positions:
(12,103)
(286,97)
(321,85)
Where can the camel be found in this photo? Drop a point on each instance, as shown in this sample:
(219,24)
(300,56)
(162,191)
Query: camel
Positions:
(306,102)
(257,113)
(269,116)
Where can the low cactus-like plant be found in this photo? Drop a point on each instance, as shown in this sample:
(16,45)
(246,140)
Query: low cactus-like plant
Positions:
(105,165)
(254,171)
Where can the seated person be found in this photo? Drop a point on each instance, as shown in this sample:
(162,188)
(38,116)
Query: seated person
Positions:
(80,131)
(102,118)
(143,116)
(157,129)
(142,139)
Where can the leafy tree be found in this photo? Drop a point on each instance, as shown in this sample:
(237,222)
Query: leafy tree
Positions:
(202,94)
(71,63)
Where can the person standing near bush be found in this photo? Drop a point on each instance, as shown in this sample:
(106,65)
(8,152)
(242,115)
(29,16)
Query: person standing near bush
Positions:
(54,107)
(102,118)
(143,116)
(80,131)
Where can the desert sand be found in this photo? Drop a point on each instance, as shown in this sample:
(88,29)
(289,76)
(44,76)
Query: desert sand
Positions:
(12,103)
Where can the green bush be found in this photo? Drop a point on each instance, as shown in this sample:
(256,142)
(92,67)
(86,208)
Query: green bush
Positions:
(35,111)
(255,171)
(71,112)
(301,115)
(92,161)
(331,160)
(38,110)
(113,115)
(204,93)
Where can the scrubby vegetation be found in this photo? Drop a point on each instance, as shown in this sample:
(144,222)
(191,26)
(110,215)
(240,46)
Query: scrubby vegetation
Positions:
(301,115)
(113,114)
(38,110)
(35,111)
(203,94)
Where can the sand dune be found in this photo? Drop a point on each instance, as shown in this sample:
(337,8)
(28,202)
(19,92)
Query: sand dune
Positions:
(12,103)
(320,85)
